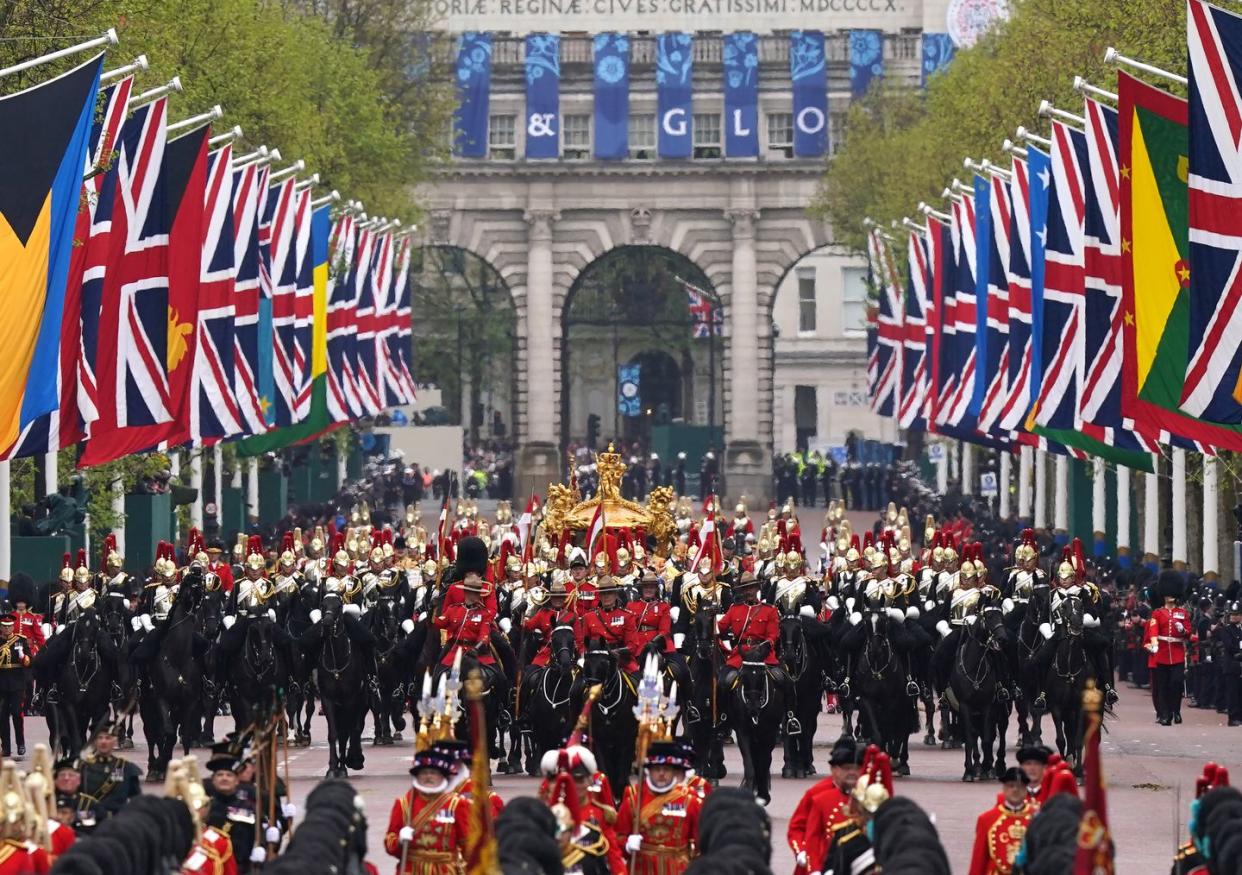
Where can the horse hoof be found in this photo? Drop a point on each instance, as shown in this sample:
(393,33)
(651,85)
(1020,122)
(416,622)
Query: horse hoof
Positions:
(946,745)
(903,769)
(929,740)
(787,772)
(502,767)
(396,736)
(968,777)
(356,763)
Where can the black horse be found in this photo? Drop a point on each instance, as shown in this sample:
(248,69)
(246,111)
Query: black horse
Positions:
(390,675)
(614,727)
(547,697)
(974,684)
(341,676)
(802,661)
(705,716)
(1029,677)
(260,673)
(171,699)
(1066,666)
(756,707)
(885,689)
(208,623)
(300,698)
(85,684)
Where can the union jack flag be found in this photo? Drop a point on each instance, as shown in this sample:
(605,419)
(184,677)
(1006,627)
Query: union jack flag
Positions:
(963,353)
(343,401)
(214,410)
(994,280)
(889,339)
(387,381)
(1064,282)
(1018,275)
(278,282)
(303,307)
(939,265)
(362,347)
(403,330)
(911,411)
(84,288)
(249,192)
(705,315)
(1213,384)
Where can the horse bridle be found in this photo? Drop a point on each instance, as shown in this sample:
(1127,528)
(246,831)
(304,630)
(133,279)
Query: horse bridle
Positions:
(767,687)
(609,682)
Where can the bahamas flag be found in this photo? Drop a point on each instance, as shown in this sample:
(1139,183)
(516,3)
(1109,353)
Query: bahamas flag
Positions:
(43,138)
(317,421)
(1155,245)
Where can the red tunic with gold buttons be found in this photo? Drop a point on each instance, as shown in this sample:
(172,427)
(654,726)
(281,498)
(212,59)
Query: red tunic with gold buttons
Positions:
(211,855)
(466,627)
(750,625)
(998,836)
(828,812)
(651,619)
(1169,629)
(668,823)
(30,625)
(439,822)
(616,628)
(545,621)
(22,858)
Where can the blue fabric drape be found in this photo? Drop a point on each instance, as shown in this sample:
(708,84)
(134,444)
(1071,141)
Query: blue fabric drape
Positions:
(612,95)
(543,95)
(674,94)
(866,60)
(741,94)
(809,73)
(474,79)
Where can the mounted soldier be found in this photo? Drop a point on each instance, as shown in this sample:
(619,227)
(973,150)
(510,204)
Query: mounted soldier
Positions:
(748,631)
(653,627)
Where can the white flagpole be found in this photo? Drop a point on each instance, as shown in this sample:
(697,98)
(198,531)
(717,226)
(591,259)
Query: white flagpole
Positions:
(139,65)
(1211,495)
(107,39)
(252,490)
(329,198)
(217,469)
(174,468)
(1060,499)
(1040,517)
(1179,509)
(1112,56)
(1099,500)
(196,483)
(1123,510)
(1024,483)
(1082,86)
(173,87)
(118,510)
(196,121)
(1003,486)
(6,523)
(1047,110)
(227,137)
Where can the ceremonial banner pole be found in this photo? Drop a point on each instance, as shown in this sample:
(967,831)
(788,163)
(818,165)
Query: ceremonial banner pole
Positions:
(1040,517)
(1151,516)
(968,468)
(1123,515)
(1211,494)
(107,39)
(6,523)
(1060,499)
(1099,507)
(1179,509)
(196,483)
(140,65)
(1002,487)
(118,510)
(1024,484)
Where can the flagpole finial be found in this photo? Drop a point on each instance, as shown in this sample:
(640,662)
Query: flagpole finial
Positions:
(1024,134)
(972,164)
(1112,56)
(227,137)
(1082,86)
(1013,149)
(1047,110)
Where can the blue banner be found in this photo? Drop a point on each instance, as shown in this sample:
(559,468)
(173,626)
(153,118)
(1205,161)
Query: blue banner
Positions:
(474,79)
(543,95)
(866,60)
(810,93)
(612,96)
(629,398)
(674,85)
(741,94)
(938,51)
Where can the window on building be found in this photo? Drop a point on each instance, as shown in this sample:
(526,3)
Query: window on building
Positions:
(502,137)
(806,299)
(853,300)
(806,415)
(642,137)
(576,136)
(707,135)
(780,133)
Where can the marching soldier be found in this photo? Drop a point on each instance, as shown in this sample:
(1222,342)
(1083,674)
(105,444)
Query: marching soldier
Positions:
(999,830)
(428,824)
(824,806)
(660,816)
(14,665)
(1168,632)
(1229,644)
(29,624)
(750,628)
(233,810)
(108,781)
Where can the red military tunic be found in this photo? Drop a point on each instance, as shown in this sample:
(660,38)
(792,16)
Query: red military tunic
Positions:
(750,625)
(211,855)
(1168,629)
(224,571)
(440,824)
(466,791)
(544,621)
(616,628)
(456,596)
(583,596)
(823,793)
(669,825)
(828,812)
(651,619)
(22,858)
(30,625)
(998,836)
(60,837)
(466,627)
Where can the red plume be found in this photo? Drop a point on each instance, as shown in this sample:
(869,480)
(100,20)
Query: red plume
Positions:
(82,557)
(287,543)
(338,542)
(66,561)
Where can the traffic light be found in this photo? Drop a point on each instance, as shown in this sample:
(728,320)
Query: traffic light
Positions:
(592,430)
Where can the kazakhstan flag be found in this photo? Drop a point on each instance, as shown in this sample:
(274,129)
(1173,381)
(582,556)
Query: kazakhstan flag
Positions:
(43,137)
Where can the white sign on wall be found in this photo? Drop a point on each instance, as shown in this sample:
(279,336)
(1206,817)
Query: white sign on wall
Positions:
(595,16)
(987,485)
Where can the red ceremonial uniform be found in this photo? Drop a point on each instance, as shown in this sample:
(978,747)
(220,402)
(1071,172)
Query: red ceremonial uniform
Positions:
(60,837)
(544,621)
(750,625)
(1170,629)
(998,836)
(826,793)
(456,596)
(22,858)
(616,628)
(224,571)
(828,811)
(211,855)
(466,791)
(30,625)
(584,596)
(651,619)
(440,824)
(669,825)
(466,627)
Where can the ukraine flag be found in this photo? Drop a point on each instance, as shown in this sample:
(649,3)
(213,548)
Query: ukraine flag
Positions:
(43,138)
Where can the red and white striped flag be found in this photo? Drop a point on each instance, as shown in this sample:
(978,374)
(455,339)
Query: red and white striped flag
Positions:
(595,534)
(707,544)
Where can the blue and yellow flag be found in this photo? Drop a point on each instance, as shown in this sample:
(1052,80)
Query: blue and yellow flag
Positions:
(43,138)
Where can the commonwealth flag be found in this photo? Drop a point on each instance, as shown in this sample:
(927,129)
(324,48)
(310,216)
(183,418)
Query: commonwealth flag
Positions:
(1155,267)
(43,139)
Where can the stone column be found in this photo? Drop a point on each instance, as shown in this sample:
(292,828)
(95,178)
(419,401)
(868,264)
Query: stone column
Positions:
(1099,505)
(1123,516)
(1002,485)
(6,524)
(1060,500)
(1211,494)
(252,490)
(1024,483)
(51,473)
(823,412)
(1179,509)
(968,468)
(1151,516)
(1040,517)
(748,467)
(538,460)
(196,483)
(118,510)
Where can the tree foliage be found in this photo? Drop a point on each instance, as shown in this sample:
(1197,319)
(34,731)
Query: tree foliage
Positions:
(904,145)
(333,90)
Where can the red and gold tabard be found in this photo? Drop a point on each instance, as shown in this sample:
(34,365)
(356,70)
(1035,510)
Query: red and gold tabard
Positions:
(60,837)
(669,825)
(439,822)
(22,858)
(998,836)
(828,813)
(211,855)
